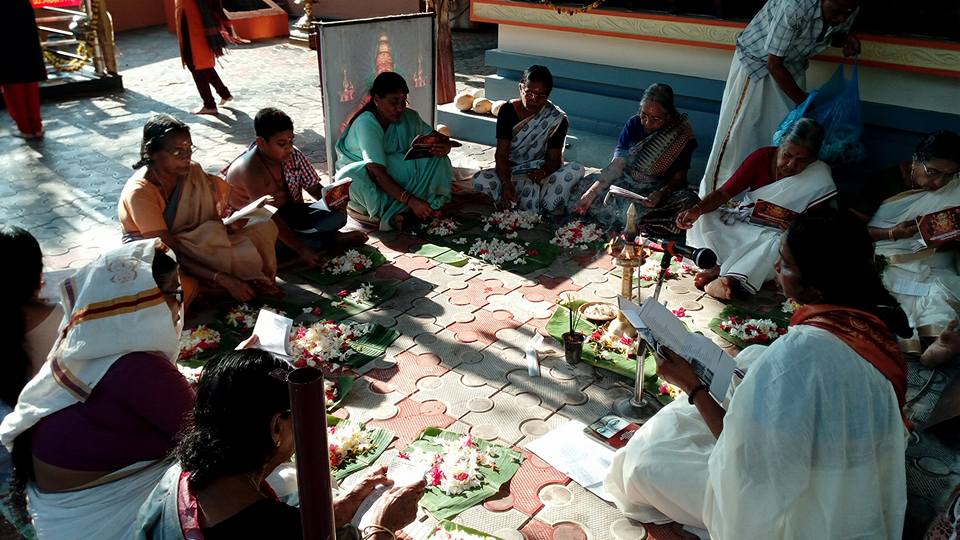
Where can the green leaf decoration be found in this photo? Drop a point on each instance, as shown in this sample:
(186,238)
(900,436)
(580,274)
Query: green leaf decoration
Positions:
(321,276)
(777,315)
(380,439)
(450,526)
(444,506)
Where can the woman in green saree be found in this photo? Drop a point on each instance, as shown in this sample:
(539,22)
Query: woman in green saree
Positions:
(386,189)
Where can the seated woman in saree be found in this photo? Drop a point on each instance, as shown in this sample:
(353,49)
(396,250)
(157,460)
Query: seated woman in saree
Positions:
(925,280)
(811,443)
(91,430)
(171,198)
(788,176)
(386,189)
(652,160)
(241,431)
(531,132)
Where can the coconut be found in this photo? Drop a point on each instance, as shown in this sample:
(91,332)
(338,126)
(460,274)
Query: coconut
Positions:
(482,106)
(464,101)
(495,108)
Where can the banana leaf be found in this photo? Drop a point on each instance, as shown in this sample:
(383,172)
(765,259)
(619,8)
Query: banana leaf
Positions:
(380,439)
(371,346)
(777,315)
(322,276)
(450,526)
(338,309)
(444,506)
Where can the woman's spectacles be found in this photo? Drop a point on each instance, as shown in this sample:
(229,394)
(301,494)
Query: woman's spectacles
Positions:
(532,93)
(183,151)
(936,174)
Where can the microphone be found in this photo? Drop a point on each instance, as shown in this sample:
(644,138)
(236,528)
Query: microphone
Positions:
(704,258)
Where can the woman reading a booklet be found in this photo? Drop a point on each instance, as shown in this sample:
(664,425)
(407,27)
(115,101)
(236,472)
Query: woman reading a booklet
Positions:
(922,273)
(531,131)
(812,440)
(651,160)
(172,198)
(387,189)
(787,180)
(241,432)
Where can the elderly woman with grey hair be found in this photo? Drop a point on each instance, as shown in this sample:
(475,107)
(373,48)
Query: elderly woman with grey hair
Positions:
(772,186)
(651,159)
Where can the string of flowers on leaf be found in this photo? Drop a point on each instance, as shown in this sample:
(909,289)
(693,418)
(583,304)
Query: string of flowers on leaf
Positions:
(331,391)
(512,220)
(325,342)
(441,227)
(361,295)
(651,270)
(789,306)
(577,235)
(496,251)
(667,389)
(242,317)
(351,261)
(346,441)
(456,467)
(752,330)
(605,344)
(196,340)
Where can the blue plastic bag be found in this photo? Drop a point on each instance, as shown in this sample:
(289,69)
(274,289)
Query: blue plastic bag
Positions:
(836,107)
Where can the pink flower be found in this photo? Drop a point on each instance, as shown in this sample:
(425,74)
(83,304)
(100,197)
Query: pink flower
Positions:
(468,442)
(436,476)
(358,266)
(403,455)
(461,476)
(626,340)
(343,293)
(532,252)
(680,312)
(315,312)
(596,335)
(664,389)
(483,252)
(678,258)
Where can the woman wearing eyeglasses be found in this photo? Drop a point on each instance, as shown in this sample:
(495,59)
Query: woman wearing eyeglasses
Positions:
(531,132)
(90,431)
(893,200)
(651,159)
(172,198)
(386,190)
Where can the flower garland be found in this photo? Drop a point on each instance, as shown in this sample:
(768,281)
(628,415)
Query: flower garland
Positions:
(441,227)
(752,330)
(606,344)
(197,340)
(577,235)
(510,221)
(242,317)
(325,342)
(496,251)
(362,295)
(456,467)
(346,441)
(351,261)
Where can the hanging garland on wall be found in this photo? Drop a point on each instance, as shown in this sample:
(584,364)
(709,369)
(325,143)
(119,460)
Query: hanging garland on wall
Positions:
(84,48)
(573,10)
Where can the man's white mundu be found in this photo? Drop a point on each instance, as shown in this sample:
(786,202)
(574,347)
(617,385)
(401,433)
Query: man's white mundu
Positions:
(747,252)
(909,263)
(796,459)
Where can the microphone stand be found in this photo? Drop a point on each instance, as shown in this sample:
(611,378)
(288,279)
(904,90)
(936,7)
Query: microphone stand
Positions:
(638,408)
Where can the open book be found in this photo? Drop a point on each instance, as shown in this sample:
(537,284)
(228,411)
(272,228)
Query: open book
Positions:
(769,214)
(334,197)
(257,211)
(420,146)
(273,333)
(940,227)
(658,326)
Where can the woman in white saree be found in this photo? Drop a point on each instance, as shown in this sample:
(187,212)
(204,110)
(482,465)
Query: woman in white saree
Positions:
(924,279)
(811,444)
(91,430)
(790,177)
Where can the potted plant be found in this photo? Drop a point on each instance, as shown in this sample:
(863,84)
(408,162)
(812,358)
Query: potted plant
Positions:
(572,339)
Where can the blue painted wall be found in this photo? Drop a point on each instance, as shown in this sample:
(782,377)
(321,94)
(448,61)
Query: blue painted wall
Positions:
(599,98)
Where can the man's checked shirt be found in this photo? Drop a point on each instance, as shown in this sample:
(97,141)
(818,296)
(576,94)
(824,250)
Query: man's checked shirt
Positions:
(792,29)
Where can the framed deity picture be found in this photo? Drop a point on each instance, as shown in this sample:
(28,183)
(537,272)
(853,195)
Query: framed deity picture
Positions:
(352,53)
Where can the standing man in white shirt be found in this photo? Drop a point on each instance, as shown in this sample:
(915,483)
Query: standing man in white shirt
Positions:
(768,75)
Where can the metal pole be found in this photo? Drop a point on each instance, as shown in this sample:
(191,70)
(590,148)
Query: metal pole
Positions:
(313,458)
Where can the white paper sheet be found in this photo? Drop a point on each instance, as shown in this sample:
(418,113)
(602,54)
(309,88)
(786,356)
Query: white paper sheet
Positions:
(255,212)
(911,288)
(273,332)
(569,450)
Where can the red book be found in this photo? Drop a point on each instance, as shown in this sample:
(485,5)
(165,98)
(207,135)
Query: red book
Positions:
(940,227)
(771,215)
(612,431)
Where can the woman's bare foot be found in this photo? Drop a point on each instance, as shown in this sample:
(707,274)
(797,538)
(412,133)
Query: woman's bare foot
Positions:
(348,239)
(720,288)
(944,349)
(704,277)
